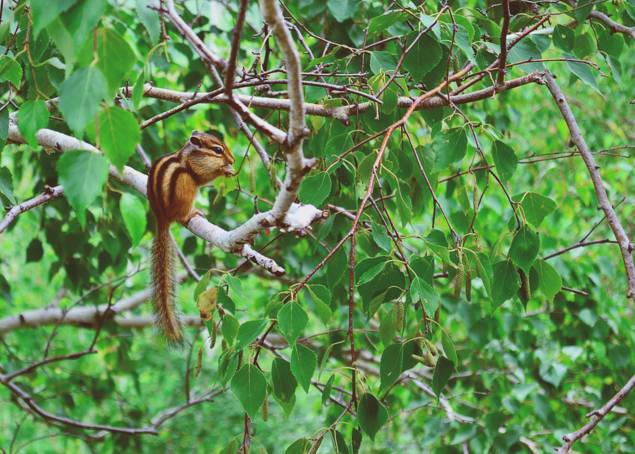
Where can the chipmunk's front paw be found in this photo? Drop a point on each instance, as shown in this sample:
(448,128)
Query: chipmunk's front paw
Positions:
(195,212)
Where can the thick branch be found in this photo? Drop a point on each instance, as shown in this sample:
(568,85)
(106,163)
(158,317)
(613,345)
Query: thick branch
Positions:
(625,244)
(610,23)
(87,315)
(228,241)
(297,165)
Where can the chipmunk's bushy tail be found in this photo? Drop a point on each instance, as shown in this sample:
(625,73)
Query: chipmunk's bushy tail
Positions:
(164,284)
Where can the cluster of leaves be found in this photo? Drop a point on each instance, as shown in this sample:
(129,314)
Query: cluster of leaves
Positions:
(457,303)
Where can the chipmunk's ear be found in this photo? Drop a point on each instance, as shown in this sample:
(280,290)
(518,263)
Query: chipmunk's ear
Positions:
(196,141)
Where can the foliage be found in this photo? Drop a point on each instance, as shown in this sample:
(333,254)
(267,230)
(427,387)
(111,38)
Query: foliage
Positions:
(488,310)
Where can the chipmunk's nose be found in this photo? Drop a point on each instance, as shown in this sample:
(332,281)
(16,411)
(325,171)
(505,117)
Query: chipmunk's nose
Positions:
(229,171)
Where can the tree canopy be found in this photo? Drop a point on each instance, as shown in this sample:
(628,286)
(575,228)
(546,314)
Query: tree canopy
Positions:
(428,245)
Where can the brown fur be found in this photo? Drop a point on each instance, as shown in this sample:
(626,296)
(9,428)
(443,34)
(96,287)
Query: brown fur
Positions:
(172,184)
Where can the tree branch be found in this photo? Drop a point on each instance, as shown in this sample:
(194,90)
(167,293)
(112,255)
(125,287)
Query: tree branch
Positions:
(48,194)
(610,23)
(625,244)
(27,402)
(233,241)
(213,62)
(88,315)
(231,66)
(341,113)
(596,417)
(502,58)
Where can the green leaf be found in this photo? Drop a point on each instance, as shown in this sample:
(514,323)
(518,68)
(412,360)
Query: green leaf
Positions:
(80,96)
(390,365)
(524,248)
(32,116)
(80,22)
(321,296)
(585,45)
(549,281)
(371,415)
(356,440)
(421,290)
(10,70)
(44,12)
(249,385)
(115,57)
(133,212)
(390,99)
(505,160)
(525,51)
(4,127)
(63,40)
(442,373)
(342,9)
(449,147)
(284,383)
(150,20)
(314,189)
(5,289)
(448,348)
(584,72)
(438,244)
(326,392)
(236,288)
(582,10)
(535,206)
(6,184)
(201,285)
(300,446)
(34,251)
(379,24)
(230,328)
(611,43)
(506,282)
(339,443)
(117,134)
(377,265)
(303,364)
(292,319)
(248,332)
(381,60)
(137,91)
(423,57)
(83,175)
(380,237)
(225,301)
(563,37)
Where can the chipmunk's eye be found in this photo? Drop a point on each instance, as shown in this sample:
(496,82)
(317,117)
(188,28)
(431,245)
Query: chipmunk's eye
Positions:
(218,150)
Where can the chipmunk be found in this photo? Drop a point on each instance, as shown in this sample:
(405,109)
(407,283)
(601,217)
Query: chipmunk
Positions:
(172,184)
